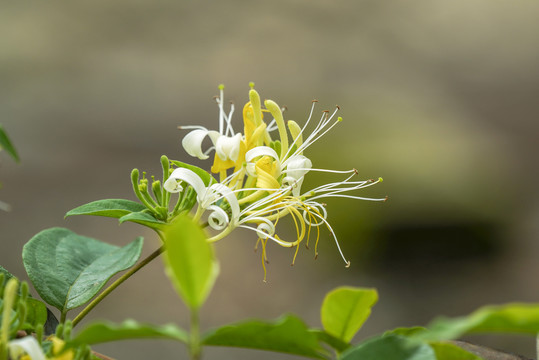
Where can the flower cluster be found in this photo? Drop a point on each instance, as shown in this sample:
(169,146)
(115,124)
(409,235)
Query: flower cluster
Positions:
(261,173)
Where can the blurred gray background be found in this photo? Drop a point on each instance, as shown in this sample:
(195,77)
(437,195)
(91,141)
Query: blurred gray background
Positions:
(438,97)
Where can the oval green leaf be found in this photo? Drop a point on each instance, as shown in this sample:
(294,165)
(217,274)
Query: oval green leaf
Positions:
(510,318)
(67,269)
(36,313)
(143,218)
(102,332)
(286,335)
(189,261)
(449,351)
(345,309)
(115,208)
(391,347)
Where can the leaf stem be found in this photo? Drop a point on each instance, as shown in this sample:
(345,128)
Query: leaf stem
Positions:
(117,283)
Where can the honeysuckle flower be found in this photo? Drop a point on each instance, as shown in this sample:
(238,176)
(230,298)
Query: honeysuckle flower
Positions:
(267,178)
(207,196)
(230,146)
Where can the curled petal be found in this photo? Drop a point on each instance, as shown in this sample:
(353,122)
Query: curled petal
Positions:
(297,166)
(190,177)
(228,147)
(192,142)
(218,219)
(172,185)
(27,345)
(261,151)
(230,197)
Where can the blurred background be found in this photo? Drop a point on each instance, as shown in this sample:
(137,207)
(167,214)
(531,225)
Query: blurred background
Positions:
(440,98)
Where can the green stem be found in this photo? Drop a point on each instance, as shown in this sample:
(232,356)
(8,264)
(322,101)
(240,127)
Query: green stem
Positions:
(63,316)
(194,340)
(10,293)
(117,283)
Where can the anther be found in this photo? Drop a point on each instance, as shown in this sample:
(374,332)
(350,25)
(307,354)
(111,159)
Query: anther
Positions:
(347,264)
(338,107)
(314,101)
(356,172)
(385,199)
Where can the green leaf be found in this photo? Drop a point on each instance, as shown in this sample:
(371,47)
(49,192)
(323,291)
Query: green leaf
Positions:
(36,312)
(102,332)
(406,331)
(67,269)
(144,218)
(287,335)
(510,318)
(115,208)
(345,309)
(7,274)
(448,351)
(392,347)
(189,261)
(5,143)
(204,175)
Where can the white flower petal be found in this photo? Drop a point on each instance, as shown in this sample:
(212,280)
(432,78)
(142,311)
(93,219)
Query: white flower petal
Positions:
(230,197)
(189,177)
(261,151)
(297,166)
(28,345)
(228,147)
(295,183)
(218,219)
(192,143)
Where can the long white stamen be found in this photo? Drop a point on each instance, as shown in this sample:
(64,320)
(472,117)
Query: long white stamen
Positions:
(221,109)
(302,130)
(229,128)
(192,127)
(315,136)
